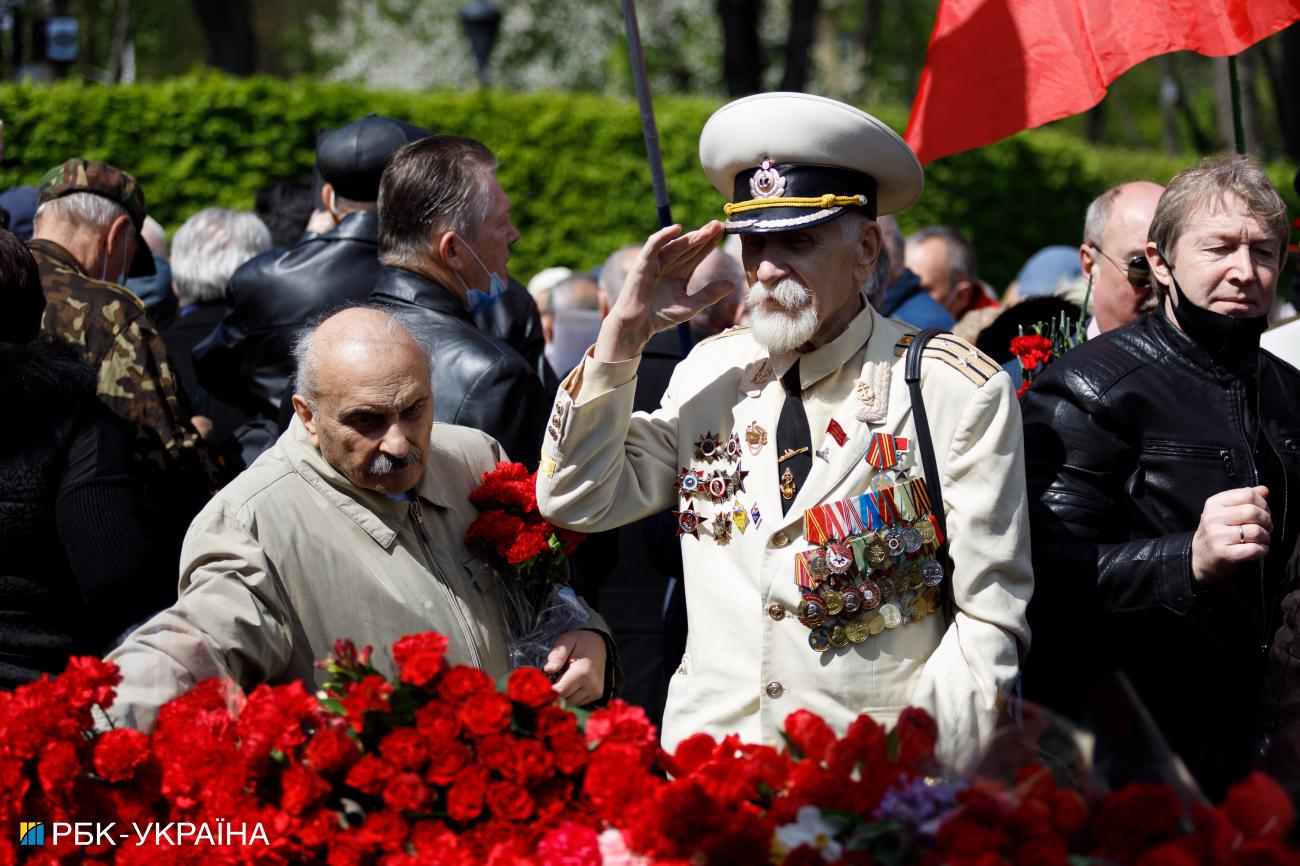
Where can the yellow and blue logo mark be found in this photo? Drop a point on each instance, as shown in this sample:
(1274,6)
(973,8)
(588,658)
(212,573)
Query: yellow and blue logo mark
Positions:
(31,833)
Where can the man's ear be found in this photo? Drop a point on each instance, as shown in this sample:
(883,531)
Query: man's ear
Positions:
(326,197)
(451,249)
(119,230)
(870,240)
(1159,267)
(1087,261)
(307,415)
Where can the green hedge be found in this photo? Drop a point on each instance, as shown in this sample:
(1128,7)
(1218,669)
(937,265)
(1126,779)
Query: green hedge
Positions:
(574,165)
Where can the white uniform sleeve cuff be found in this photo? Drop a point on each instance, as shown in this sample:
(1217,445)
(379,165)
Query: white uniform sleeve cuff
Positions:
(592,378)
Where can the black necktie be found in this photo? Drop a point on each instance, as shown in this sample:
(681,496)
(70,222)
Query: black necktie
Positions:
(793,440)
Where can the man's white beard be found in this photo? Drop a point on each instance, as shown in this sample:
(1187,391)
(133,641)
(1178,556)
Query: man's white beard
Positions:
(788,329)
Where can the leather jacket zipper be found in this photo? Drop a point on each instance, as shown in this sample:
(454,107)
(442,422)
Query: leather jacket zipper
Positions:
(471,639)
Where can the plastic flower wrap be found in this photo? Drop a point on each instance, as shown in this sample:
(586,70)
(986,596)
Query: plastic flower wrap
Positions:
(534,557)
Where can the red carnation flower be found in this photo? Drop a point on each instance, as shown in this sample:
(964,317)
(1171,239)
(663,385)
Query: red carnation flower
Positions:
(623,723)
(406,791)
(570,844)
(404,748)
(119,752)
(569,752)
(437,722)
(917,733)
(369,695)
(1032,350)
(331,750)
(509,801)
(419,657)
(465,797)
(461,681)
(485,713)
(300,789)
(809,733)
(446,761)
(368,775)
(1259,808)
(555,721)
(58,770)
(384,830)
(530,687)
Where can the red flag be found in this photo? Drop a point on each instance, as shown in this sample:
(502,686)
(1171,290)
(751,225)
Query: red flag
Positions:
(995,67)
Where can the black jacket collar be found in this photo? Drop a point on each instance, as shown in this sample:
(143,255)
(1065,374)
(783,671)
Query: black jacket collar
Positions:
(407,287)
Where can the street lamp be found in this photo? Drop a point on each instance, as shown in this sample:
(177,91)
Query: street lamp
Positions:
(481,21)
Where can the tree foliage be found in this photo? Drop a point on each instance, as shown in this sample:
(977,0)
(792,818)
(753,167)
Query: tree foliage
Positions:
(573,164)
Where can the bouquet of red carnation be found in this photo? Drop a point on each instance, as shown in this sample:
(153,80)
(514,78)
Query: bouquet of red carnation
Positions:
(1049,341)
(534,557)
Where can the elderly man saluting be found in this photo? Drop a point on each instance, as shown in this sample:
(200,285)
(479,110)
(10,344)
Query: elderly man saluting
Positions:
(343,529)
(813,550)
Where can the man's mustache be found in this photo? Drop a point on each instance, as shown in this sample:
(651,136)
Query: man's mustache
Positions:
(385,465)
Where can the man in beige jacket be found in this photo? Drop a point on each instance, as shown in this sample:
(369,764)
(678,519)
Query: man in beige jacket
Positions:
(352,526)
(792,605)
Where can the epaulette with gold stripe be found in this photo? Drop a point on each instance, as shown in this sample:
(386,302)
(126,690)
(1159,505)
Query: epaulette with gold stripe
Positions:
(730,332)
(956,353)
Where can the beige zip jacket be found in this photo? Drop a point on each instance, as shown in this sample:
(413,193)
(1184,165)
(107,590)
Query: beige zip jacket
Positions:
(291,556)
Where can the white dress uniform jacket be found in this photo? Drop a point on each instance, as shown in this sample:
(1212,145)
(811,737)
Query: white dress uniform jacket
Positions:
(748,663)
(291,556)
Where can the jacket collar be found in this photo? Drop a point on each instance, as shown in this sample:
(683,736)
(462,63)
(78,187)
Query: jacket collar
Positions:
(360,225)
(1192,355)
(413,288)
(58,254)
(824,360)
(902,289)
(379,515)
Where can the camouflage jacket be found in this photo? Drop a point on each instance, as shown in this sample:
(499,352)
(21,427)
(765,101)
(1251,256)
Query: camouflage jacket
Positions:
(137,382)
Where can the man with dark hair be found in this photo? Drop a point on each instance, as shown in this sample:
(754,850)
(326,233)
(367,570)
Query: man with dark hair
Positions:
(945,262)
(246,360)
(1161,462)
(899,294)
(444,238)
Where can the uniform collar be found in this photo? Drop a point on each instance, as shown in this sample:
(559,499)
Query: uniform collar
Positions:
(56,253)
(821,362)
(379,515)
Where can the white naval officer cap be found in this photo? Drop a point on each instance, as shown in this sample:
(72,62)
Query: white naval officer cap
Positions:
(792,160)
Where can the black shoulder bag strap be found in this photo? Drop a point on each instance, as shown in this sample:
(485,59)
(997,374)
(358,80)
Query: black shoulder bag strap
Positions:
(924,445)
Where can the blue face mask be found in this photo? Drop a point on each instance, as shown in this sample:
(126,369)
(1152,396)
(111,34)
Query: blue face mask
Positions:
(478,300)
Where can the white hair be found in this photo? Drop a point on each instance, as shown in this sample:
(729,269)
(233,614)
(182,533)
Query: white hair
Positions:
(87,208)
(788,329)
(209,247)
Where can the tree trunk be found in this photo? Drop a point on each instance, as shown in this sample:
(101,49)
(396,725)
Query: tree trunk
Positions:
(742,61)
(121,38)
(1092,122)
(1169,90)
(1280,58)
(228,29)
(803,17)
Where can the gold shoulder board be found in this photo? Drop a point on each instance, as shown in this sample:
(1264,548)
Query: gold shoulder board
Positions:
(956,353)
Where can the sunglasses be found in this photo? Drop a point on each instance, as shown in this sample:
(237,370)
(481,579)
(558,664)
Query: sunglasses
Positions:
(1137,272)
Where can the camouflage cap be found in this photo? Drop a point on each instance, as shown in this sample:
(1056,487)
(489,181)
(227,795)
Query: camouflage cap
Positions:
(100,178)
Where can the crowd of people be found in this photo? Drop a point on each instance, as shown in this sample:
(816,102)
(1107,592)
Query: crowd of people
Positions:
(231,449)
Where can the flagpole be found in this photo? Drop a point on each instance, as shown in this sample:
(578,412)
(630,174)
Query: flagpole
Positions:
(1234,85)
(651,133)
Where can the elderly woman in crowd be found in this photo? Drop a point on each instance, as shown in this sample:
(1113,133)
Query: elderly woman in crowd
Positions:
(1163,466)
(78,564)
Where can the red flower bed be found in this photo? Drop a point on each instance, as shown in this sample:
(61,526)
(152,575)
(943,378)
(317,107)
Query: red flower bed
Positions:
(440,766)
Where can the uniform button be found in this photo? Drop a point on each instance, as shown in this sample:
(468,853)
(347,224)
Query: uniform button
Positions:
(776,611)
(774,689)
(780,539)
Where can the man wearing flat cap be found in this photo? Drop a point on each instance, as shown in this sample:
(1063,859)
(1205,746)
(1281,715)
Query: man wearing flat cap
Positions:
(246,361)
(826,566)
(87,241)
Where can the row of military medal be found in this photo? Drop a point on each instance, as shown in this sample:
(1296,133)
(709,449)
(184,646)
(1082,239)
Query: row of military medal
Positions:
(856,588)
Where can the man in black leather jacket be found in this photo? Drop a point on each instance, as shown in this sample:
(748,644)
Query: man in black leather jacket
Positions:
(1163,461)
(444,237)
(247,360)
